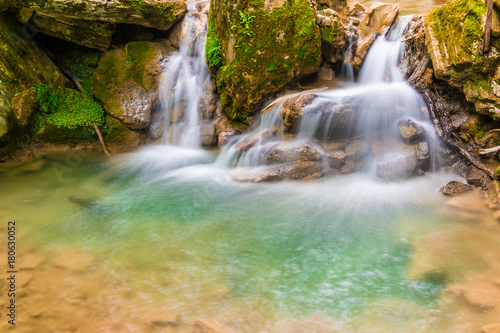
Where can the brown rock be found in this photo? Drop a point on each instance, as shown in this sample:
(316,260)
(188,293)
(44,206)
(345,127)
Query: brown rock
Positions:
(284,172)
(409,129)
(23,105)
(285,152)
(454,188)
(476,177)
(293,109)
(207,134)
(253,139)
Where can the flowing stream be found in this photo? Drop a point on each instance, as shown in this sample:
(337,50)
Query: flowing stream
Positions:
(155,240)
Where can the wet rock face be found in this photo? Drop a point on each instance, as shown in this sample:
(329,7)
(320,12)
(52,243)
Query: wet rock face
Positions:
(92,23)
(285,152)
(127,80)
(207,134)
(285,172)
(455,188)
(255,51)
(365,25)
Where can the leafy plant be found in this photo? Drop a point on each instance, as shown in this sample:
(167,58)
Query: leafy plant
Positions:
(47,98)
(245,21)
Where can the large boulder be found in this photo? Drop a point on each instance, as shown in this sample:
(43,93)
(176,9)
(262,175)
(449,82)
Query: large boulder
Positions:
(92,23)
(22,63)
(286,152)
(127,80)
(453,34)
(368,23)
(24,105)
(255,49)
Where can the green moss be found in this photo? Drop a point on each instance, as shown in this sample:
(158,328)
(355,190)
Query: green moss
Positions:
(161,13)
(497,174)
(138,55)
(458,26)
(476,130)
(82,64)
(329,33)
(268,50)
(70,118)
(115,131)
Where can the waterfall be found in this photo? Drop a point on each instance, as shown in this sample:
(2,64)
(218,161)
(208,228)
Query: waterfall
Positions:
(184,73)
(368,110)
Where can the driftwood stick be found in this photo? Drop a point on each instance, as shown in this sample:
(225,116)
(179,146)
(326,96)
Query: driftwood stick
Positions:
(446,138)
(101,139)
(488,150)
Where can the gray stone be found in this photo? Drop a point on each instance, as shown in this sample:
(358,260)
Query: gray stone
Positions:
(423,155)
(207,134)
(286,152)
(476,177)
(157,125)
(285,172)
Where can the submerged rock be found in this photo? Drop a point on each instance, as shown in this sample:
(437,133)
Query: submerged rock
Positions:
(454,188)
(397,164)
(127,81)
(284,172)
(257,49)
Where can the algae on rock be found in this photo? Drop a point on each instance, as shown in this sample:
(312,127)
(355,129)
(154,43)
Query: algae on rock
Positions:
(254,49)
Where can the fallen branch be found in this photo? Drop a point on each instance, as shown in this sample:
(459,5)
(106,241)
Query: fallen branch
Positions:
(101,139)
(488,150)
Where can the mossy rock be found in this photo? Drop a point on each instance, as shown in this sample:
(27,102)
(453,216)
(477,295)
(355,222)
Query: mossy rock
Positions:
(119,138)
(255,49)
(453,35)
(24,105)
(150,13)
(127,79)
(22,63)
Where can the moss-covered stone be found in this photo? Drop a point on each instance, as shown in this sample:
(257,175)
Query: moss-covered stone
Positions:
(24,105)
(127,79)
(333,36)
(255,49)
(453,34)
(22,63)
(119,138)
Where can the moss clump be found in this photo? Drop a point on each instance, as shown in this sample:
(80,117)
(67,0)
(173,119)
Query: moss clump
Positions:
(254,53)
(476,130)
(66,115)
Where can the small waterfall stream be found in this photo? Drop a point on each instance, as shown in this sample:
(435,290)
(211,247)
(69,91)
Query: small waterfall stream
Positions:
(185,72)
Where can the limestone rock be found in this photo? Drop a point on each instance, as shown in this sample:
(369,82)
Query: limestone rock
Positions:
(409,129)
(127,81)
(369,22)
(257,50)
(454,188)
(22,63)
(23,105)
(397,164)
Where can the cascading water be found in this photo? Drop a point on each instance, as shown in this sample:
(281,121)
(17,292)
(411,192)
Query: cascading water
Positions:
(185,72)
(368,111)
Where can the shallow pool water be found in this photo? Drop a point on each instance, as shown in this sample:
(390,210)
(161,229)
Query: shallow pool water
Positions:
(172,229)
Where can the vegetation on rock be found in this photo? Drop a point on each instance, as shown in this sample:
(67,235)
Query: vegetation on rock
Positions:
(254,51)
